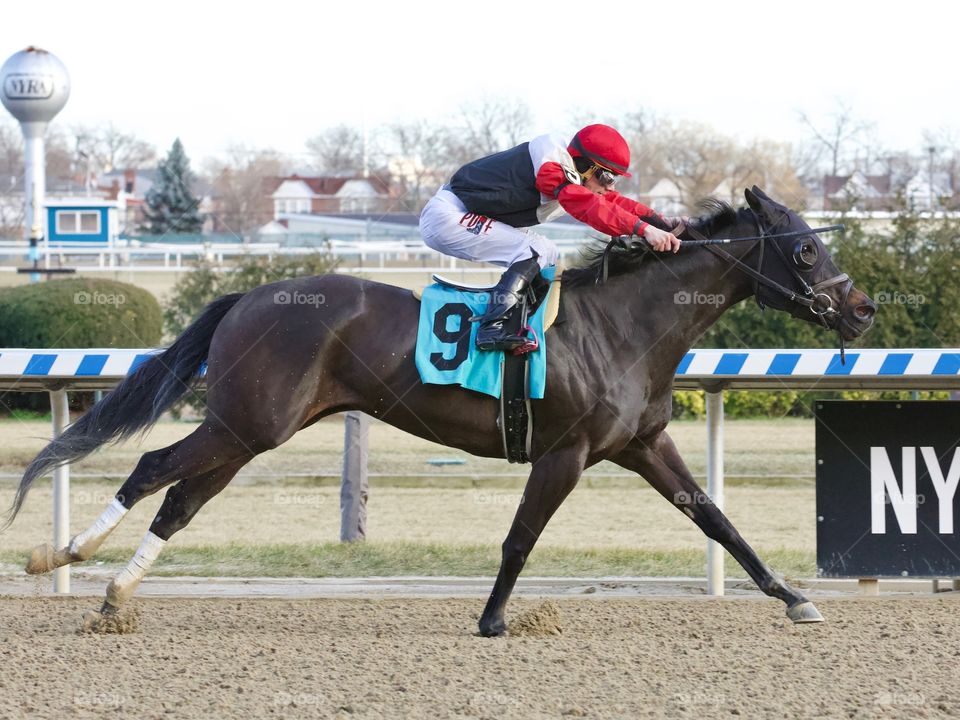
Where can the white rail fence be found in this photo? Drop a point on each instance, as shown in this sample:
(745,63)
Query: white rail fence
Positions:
(61,371)
(373,257)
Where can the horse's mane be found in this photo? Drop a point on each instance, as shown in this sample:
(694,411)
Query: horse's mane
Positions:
(717,215)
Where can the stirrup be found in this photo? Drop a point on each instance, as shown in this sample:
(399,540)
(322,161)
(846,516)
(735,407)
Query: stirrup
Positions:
(530,343)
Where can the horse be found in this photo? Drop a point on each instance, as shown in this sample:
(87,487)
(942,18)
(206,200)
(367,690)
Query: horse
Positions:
(274,367)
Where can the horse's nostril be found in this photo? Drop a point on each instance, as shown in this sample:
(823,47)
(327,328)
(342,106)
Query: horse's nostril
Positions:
(865,311)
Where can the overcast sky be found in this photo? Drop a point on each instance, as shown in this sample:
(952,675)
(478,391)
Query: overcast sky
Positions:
(271,74)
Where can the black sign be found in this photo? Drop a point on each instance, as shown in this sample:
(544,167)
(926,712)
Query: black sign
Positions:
(887,500)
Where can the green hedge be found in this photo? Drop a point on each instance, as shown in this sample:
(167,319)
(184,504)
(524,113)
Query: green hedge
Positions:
(74,313)
(79,312)
(690,404)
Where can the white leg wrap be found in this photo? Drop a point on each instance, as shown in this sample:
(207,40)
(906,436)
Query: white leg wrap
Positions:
(84,545)
(123,586)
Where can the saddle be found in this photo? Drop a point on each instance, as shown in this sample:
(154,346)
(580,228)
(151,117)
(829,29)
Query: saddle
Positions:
(516,418)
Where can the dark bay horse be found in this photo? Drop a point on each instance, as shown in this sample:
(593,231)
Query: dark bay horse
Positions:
(274,367)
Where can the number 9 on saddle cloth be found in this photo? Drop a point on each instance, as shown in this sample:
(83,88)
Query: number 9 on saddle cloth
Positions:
(446,351)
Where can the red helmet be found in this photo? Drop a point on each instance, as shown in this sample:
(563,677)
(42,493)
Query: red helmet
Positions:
(604,145)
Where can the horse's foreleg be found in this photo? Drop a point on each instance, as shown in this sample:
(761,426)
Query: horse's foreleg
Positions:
(661,465)
(181,503)
(553,477)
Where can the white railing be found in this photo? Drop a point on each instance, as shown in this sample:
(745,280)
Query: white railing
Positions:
(374,257)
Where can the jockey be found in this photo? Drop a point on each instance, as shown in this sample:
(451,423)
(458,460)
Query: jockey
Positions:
(483,213)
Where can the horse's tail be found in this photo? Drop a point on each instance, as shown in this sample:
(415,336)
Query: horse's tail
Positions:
(133,405)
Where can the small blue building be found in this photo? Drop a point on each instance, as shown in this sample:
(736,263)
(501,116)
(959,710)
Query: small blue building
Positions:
(83,221)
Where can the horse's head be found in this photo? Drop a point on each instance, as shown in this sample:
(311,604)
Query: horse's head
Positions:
(802,265)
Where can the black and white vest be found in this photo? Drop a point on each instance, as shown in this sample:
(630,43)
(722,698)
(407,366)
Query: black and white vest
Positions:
(503,186)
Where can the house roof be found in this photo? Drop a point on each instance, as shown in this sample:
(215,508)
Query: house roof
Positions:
(664,187)
(838,184)
(330,185)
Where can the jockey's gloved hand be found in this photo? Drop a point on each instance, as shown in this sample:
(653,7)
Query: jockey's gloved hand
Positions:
(661,240)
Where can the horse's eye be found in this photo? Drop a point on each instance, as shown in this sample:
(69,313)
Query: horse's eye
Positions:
(805,255)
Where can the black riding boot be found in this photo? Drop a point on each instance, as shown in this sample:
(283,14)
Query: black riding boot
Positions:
(492,334)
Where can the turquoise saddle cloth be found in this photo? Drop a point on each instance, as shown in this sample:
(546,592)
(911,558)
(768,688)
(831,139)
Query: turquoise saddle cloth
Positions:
(446,352)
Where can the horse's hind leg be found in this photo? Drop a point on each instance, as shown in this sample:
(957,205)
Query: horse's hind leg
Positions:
(146,479)
(661,465)
(182,502)
(207,447)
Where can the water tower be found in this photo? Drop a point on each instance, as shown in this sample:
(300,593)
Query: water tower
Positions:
(34,87)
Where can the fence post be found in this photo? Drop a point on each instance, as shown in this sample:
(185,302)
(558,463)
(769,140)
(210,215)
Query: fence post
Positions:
(354,487)
(714,399)
(60,411)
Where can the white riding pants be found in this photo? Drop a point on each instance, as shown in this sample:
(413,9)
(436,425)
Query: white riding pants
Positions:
(448,227)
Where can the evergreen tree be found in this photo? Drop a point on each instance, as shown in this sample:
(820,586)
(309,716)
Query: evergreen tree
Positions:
(170,205)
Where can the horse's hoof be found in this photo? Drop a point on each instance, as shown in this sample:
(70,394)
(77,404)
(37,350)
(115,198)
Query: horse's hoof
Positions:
(44,559)
(498,629)
(804,612)
(41,560)
(109,620)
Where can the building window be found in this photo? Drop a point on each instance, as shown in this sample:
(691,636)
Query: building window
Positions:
(77,222)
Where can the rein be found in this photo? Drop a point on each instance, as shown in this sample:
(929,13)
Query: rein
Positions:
(811,293)
(624,241)
(703,240)
(810,296)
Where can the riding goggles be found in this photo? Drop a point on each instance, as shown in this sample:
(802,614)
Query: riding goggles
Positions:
(606,178)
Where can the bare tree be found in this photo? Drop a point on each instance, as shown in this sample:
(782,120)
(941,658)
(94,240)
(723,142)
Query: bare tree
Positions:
(692,155)
(419,160)
(11,181)
(119,150)
(338,150)
(491,125)
(11,155)
(60,157)
(770,165)
(841,137)
(946,157)
(241,188)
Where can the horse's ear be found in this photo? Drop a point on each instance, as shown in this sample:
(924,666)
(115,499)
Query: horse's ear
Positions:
(759,193)
(753,199)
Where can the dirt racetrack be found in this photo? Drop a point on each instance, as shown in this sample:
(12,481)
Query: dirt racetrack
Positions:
(419,658)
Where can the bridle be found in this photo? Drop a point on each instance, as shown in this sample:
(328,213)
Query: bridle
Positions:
(810,296)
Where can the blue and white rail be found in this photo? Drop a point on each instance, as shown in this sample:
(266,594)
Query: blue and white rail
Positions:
(88,369)
(915,369)
(60,371)
(927,369)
